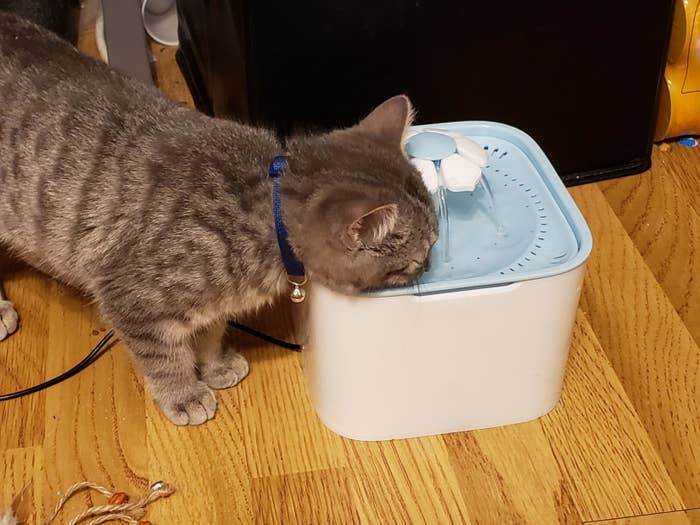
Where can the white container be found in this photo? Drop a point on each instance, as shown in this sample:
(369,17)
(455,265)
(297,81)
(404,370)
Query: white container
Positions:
(480,341)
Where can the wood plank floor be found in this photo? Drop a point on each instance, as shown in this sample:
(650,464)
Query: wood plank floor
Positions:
(622,447)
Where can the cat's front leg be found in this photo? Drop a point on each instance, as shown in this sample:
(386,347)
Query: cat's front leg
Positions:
(8,316)
(219,366)
(171,376)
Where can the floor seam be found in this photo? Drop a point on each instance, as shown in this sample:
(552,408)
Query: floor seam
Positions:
(640,515)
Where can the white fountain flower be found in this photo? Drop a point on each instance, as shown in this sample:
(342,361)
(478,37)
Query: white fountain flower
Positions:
(446,159)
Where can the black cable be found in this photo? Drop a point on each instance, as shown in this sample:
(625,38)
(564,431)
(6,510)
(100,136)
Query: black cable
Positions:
(265,337)
(87,360)
(95,352)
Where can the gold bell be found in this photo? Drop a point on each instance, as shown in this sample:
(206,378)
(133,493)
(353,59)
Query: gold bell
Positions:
(298,293)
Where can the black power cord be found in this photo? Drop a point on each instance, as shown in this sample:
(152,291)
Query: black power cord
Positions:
(87,361)
(265,337)
(95,352)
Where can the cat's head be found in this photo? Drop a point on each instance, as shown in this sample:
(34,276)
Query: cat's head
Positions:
(367,219)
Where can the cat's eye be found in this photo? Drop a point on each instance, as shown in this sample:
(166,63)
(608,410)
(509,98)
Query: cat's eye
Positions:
(397,273)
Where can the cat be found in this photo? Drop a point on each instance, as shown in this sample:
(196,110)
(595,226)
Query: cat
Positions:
(163,215)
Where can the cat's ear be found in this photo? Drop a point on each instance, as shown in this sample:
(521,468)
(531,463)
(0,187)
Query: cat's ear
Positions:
(389,121)
(356,218)
(372,227)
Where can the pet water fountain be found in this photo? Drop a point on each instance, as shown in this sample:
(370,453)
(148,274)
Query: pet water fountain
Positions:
(480,340)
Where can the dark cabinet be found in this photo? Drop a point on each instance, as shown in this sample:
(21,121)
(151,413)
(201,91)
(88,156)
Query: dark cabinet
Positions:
(581,77)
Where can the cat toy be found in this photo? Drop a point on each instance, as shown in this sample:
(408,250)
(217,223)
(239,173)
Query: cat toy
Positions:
(118,508)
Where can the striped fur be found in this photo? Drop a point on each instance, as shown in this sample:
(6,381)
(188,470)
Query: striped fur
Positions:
(162,215)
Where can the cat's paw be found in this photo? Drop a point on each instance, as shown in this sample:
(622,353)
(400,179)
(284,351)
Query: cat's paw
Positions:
(226,373)
(8,319)
(190,405)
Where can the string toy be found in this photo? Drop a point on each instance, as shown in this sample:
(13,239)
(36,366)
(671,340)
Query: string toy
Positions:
(118,507)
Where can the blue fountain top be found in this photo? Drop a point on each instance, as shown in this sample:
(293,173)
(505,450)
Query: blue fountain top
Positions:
(520,224)
(430,146)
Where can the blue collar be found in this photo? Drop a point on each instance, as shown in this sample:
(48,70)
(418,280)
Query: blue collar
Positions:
(295,270)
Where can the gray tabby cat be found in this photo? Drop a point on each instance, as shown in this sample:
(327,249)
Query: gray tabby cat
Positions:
(163,215)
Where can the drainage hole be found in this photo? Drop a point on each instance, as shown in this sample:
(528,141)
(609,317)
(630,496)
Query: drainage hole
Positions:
(502,154)
(538,246)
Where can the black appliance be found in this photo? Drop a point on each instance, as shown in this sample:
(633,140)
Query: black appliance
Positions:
(580,77)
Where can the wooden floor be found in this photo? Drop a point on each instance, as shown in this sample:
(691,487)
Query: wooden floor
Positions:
(622,447)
